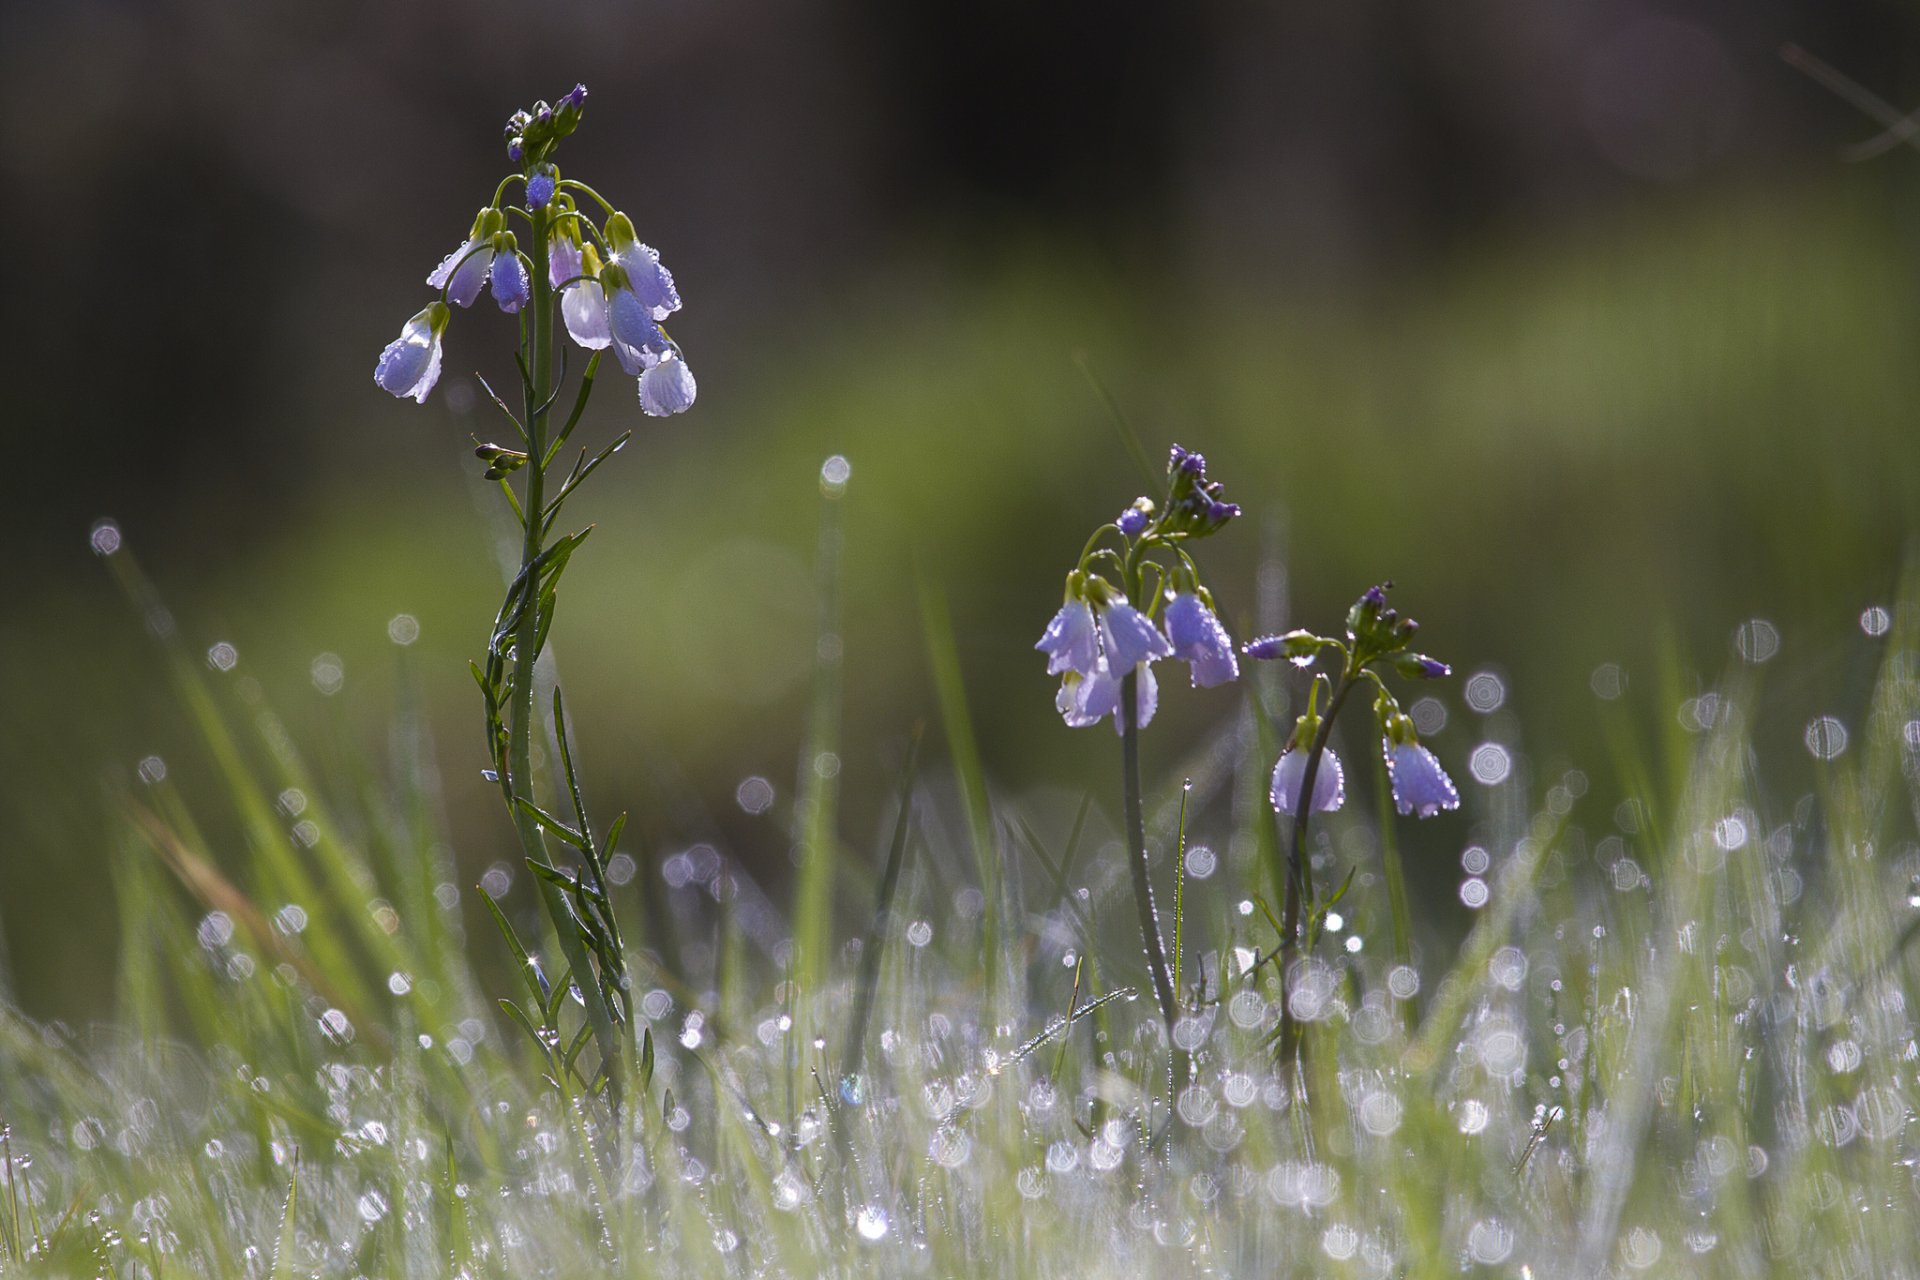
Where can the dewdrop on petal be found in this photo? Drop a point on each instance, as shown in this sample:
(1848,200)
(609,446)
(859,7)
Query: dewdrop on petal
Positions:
(1420,786)
(651,281)
(463,273)
(1329,783)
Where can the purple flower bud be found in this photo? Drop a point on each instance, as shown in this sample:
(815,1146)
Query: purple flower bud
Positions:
(1193,464)
(1420,786)
(1175,457)
(1133,522)
(1375,596)
(1265,648)
(544,116)
(539,190)
(1221,512)
(1290,777)
(517,151)
(578,97)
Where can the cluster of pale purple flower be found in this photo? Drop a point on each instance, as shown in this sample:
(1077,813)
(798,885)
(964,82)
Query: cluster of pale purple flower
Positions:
(1099,635)
(1375,634)
(614,291)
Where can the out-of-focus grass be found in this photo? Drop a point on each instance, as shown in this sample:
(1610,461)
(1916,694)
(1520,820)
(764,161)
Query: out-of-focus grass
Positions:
(1550,445)
(1678,1038)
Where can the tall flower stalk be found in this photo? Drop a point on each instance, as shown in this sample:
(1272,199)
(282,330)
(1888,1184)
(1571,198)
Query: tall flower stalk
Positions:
(1128,605)
(1308,778)
(608,290)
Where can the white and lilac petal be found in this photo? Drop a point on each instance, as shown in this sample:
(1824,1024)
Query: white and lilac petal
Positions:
(469,277)
(510,286)
(1096,696)
(583,307)
(438,279)
(1146,699)
(410,364)
(651,280)
(1198,639)
(1290,776)
(1072,640)
(1129,638)
(563,260)
(1069,702)
(1420,786)
(667,388)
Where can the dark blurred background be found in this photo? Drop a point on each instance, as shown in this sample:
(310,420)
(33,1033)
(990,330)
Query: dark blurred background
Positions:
(1570,318)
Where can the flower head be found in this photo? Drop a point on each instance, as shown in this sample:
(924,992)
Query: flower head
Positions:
(667,388)
(1290,776)
(1420,786)
(410,365)
(1128,638)
(1198,639)
(1071,640)
(583,304)
(1134,520)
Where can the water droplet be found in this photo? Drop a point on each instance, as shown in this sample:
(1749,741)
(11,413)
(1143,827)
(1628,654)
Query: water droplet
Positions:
(871,1222)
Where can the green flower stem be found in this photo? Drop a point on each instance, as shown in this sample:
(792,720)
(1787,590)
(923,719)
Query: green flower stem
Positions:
(1136,817)
(1299,875)
(1137,849)
(520,728)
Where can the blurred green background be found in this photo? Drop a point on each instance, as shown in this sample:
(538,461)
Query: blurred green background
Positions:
(1571,320)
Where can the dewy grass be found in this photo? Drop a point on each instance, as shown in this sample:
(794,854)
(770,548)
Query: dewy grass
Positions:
(1677,1041)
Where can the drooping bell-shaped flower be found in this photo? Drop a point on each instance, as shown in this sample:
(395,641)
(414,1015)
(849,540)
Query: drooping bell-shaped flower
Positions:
(463,273)
(1071,640)
(1290,776)
(1129,638)
(1200,641)
(667,388)
(511,289)
(583,304)
(410,365)
(1097,696)
(636,335)
(1420,786)
(652,283)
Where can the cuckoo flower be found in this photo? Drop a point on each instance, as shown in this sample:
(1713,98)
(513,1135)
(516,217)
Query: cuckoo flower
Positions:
(667,388)
(1128,638)
(1198,639)
(1071,640)
(463,273)
(1420,786)
(411,363)
(637,337)
(651,282)
(511,288)
(583,304)
(1290,776)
